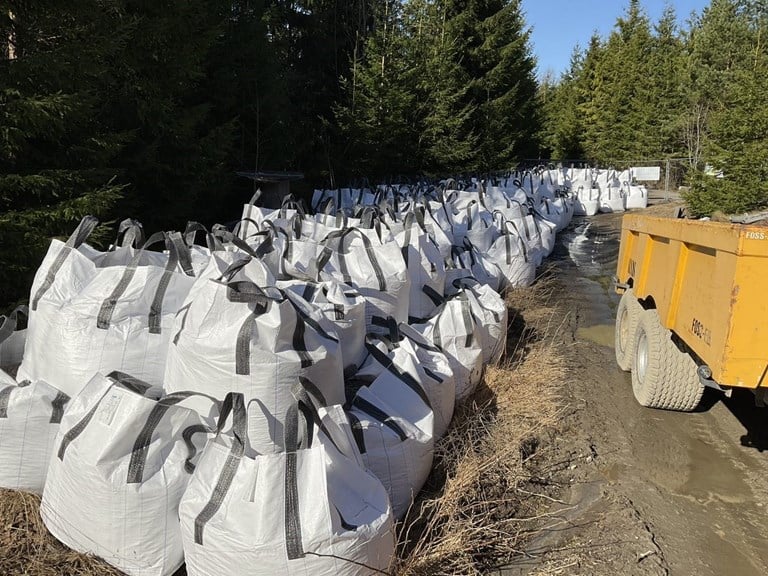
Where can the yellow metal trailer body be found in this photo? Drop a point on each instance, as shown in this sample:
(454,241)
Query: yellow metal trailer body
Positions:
(709,284)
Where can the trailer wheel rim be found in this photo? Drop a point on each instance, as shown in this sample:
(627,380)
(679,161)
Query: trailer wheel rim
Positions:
(641,356)
(623,329)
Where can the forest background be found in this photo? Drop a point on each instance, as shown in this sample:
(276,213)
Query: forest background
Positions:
(147,109)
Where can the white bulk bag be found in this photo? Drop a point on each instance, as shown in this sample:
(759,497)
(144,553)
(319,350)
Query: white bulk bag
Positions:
(480,229)
(253,217)
(375,267)
(30,414)
(510,254)
(85,319)
(242,334)
(426,267)
(442,213)
(500,201)
(410,365)
(548,232)
(532,235)
(312,510)
(611,196)
(436,376)
(587,199)
(344,307)
(636,196)
(480,266)
(441,237)
(453,330)
(12,340)
(491,316)
(552,213)
(399,453)
(121,462)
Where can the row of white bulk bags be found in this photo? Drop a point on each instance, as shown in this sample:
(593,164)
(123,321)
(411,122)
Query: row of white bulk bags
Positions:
(12,339)
(122,459)
(312,510)
(30,415)
(238,332)
(97,311)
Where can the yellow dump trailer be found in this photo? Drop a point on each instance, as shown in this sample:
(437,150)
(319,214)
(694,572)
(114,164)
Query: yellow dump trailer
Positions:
(694,309)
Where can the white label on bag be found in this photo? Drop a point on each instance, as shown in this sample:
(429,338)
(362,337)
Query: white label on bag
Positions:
(109,407)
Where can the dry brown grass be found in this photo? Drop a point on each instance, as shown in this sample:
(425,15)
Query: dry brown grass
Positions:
(481,504)
(26,547)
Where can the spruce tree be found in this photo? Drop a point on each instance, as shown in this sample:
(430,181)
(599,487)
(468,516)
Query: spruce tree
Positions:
(562,125)
(618,128)
(729,67)
(56,146)
(378,119)
(445,142)
(497,60)
(177,161)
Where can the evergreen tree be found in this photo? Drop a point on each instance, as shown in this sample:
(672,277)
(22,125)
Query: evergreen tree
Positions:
(497,60)
(667,89)
(378,119)
(315,43)
(55,144)
(445,143)
(248,89)
(178,158)
(618,128)
(562,126)
(729,63)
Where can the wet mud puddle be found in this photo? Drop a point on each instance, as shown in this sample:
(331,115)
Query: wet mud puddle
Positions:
(586,255)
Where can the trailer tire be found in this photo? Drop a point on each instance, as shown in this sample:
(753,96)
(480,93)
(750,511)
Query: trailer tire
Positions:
(663,376)
(627,316)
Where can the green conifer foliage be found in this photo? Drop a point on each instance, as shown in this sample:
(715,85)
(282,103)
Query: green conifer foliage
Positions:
(56,146)
(729,70)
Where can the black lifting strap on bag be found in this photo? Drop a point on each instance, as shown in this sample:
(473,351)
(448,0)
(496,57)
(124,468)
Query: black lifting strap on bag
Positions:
(144,438)
(341,236)
(80,235)
(178,254)
(388,364)
(296,439)
(132,233)
(234,403)
(261,298)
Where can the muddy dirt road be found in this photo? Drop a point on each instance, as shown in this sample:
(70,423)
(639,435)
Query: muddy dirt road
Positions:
(650,492)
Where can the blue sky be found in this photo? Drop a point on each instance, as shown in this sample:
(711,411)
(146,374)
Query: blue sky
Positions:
(558,25)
